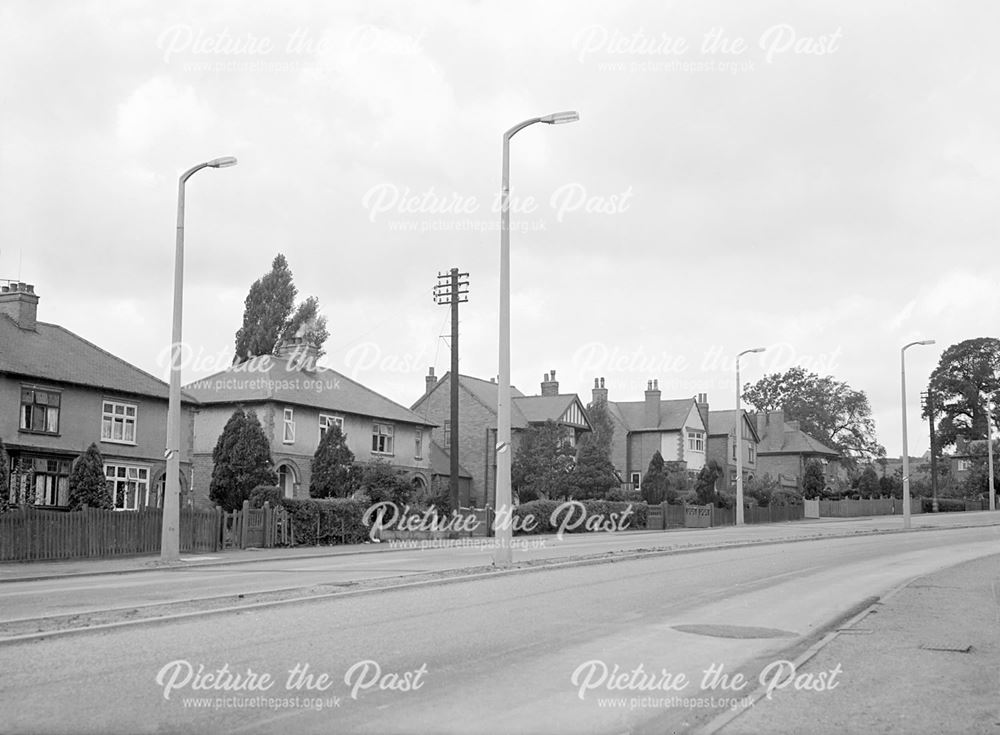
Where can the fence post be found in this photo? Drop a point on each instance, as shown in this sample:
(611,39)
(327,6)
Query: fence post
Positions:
(243,525)
(268,531)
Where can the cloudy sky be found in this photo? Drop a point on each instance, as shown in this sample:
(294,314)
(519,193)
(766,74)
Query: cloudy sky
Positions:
(821,181)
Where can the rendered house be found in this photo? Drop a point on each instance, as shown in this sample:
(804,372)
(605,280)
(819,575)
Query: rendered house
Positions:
(722,446)
(60,393)
(477,404)
(676,428)
(785,450)
(296,401)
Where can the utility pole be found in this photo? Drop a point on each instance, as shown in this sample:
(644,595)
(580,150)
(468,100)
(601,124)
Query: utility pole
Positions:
(449,292)
(928,397)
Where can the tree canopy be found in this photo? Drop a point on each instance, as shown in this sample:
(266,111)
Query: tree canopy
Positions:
(88,485)
(593,474)
(542,463)
(813,479)
(331,475)
(242,459)
(827,409)
(270,316)
(965,376)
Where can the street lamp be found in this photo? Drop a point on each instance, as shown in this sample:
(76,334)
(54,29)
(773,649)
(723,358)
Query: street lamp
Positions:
(170,531)
(989,449)
(739,439)
(504,502)
(906,457)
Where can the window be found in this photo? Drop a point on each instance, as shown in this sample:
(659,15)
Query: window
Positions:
(50,480)
(696,441)
(447,433)
(40,411)
(635,479)
(418,444)
(382,438)
(325,422)
(964,465)
(750,453)
(118,422)
(734,450)
(288,432)
(129,486)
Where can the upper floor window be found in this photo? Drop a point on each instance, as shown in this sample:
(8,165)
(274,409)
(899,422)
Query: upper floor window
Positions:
(696,441)
(418,443)
(964,465)
(40,411)
(734,450)
(326,421)
(288,427)
(635,479)
(382,438)
(118,422)
(447,432)
(750,453)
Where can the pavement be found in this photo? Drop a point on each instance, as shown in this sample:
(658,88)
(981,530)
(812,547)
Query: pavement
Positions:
(924,659)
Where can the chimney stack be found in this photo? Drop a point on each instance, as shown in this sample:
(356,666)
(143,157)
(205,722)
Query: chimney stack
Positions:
(600,393)
(429,381)
(652,404)
(702,401)
(20,303)
(549,385)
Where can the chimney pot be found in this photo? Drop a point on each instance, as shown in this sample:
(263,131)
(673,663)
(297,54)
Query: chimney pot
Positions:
(596,385)
(602,382)
(553,374)
(545,377)
(656,384)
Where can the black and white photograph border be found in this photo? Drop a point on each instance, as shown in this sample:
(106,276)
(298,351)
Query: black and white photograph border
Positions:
(702,441)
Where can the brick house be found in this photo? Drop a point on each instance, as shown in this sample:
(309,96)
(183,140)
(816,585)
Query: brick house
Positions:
(60,393)
(296,402)
(722,446)
(785,449)
(477,403)
(676,428)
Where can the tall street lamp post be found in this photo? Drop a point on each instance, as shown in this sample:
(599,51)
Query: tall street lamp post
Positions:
(170,532)
(739,439)
(906,456)
(989,449)
(504,503)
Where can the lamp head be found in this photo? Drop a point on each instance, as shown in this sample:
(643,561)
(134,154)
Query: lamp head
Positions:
(223,162)
(926,342)
(558,118)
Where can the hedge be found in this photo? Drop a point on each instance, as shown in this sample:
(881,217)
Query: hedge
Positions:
(542,511)
(327,521)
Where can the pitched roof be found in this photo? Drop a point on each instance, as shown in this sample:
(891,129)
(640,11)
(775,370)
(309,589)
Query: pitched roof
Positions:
(724,422)
(441,462)
(791,440)
(673,414)
(271,378)
(51,352)
(538,409)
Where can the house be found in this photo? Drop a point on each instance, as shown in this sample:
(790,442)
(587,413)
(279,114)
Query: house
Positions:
(296,402)
(722,445)
(441,474)
(477,420)
(60,393)
(961,461)
(785,449)
(676,428)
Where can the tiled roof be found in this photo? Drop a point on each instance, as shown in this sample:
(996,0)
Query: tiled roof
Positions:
(673,414)
(724,422)
(441,462)
(538,409)
(278,380)
(791,440)
(51,352)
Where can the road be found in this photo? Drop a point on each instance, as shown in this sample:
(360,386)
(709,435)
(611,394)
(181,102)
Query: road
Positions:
(522,652)
(21,600)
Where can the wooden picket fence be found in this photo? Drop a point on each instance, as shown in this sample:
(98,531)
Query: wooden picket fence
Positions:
(34,534)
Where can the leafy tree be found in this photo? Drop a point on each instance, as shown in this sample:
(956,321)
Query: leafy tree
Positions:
(966,374)
(331,466)
(87,483)
(4,479)
(891,486)
(766,491)
(266,312)
(604,428)
(242,459)
(813,480)
(593,474)
(654,482)
(977,482)
(827,409)
(312,324)
(543,463)
(382,482)
(704,485)
(868,483)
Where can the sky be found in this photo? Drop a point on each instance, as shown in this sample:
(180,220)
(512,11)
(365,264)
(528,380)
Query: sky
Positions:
(820,181)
